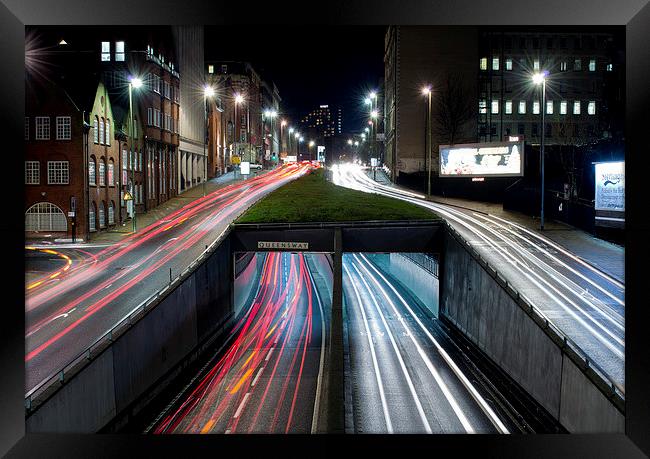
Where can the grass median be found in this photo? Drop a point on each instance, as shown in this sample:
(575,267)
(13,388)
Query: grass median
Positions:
(312,199)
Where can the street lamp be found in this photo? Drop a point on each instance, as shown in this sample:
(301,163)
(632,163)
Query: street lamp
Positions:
(540,78)
(208,91)
(311,144)
(238,100)
(136,83)
(349,141)
(426,91)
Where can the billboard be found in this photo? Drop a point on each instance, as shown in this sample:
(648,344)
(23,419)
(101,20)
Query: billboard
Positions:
(245,168)
(609,202)
(497,159)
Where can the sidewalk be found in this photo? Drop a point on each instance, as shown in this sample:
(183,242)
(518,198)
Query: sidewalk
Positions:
(143,220)
(604,255)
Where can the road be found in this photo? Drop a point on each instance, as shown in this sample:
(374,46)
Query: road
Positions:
(583,302)
(65,315)
(403,379)
(268,378)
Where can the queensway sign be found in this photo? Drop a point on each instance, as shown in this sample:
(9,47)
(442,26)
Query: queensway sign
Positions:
(283,245)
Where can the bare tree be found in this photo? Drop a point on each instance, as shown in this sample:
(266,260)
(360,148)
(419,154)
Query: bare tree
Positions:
(454,107)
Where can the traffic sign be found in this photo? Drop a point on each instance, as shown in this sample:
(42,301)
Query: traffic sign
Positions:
(236,160)
(128,196)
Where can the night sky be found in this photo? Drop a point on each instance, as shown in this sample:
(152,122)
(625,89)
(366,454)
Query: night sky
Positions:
(310,65)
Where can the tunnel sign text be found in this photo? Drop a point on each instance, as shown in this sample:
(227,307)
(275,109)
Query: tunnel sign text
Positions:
(283,245)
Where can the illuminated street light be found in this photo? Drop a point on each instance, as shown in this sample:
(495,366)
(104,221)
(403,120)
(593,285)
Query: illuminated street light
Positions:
(349,141)
(134,82)
(283,123)
(373,95)
(368,101)
(239,98)
(374,114)
(312,143)
(367,129)
(291,130)
(356,143)
(208,91)
(540,78)
(426,90)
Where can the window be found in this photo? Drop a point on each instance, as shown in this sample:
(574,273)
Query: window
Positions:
(96,130)
(91,171)
(102,216)
(58,173)
(101,131)
(536,64)
(563,105)
(42,128)
(102,173)
(509,64)
(495,63)
(577,64)
(130,160)
(156,84)
(177,93)
(224,69)
(111,213)
(140,160)
(45,216)
(26,128)
(125,159)
(482,106)
(508,107)
(549,107)
(592,65)
(166,89)
(108,132)
(535,107)
(62,128)
(91,217)
(591,107)
(521,128)
(609,67)
(32,172)
(522,107)
(106,51)
(111,173)
(563,66)
(210,68)
(483,63)
(119,51)
(576,107)
(495,106)
(135,128)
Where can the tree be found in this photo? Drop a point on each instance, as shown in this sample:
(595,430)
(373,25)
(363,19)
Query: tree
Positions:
(454,108)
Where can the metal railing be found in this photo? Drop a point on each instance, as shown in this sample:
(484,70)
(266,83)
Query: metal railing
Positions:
(612,389)
(424,261)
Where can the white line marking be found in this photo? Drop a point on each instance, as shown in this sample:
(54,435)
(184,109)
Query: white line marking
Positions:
(241,405)
(257,376)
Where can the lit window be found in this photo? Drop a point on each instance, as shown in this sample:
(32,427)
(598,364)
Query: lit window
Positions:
(591,107)
(102,216)
(483,63)
(119,51)
(577,64)
(495,106)
(592,65)
(522,107)
(102,173)
(482,106)
(210,68)
(508,107)
(563,66)
(111,173)
(32,172)
(106,51)
(495,63)
(42,128)
(26,128)
(509,64)
(62,128)
(549,107)
(108,132)
(149,116)
(576,107)
(563,106)
(57,173)
(536,64)
(125,159)
(91,218)
(535,107)
(101,131)
(609,67)
(111,213)
(91,171)
(96,129)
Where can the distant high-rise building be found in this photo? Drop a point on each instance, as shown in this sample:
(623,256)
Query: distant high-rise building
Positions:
(324,121)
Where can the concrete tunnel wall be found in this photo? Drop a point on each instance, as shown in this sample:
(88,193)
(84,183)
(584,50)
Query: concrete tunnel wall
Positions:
(473,301)
(422,284)
(135,362)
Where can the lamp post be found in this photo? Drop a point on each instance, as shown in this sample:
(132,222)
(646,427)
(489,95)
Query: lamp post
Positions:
(238,100)
(289,141)
(207,92)
(134,82)
(427,92)
(283,123)
(311,144)
(537,79)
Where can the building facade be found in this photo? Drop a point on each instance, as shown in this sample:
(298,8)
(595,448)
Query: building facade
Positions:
(324,121)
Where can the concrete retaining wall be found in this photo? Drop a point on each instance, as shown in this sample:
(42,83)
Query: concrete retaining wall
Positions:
(421,284)
(247,282)
(138,360)
(473,301)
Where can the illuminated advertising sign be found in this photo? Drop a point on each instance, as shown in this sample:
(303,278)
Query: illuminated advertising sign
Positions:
(291,159)
(610,186)
(245,168)
(496,159)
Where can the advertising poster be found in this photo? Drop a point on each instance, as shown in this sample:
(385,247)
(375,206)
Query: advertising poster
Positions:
(497,159)
(610,186)
(245,168)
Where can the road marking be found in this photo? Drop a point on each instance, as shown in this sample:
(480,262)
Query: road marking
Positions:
(208,425)
(268,356)
(241,405)
(257,377)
